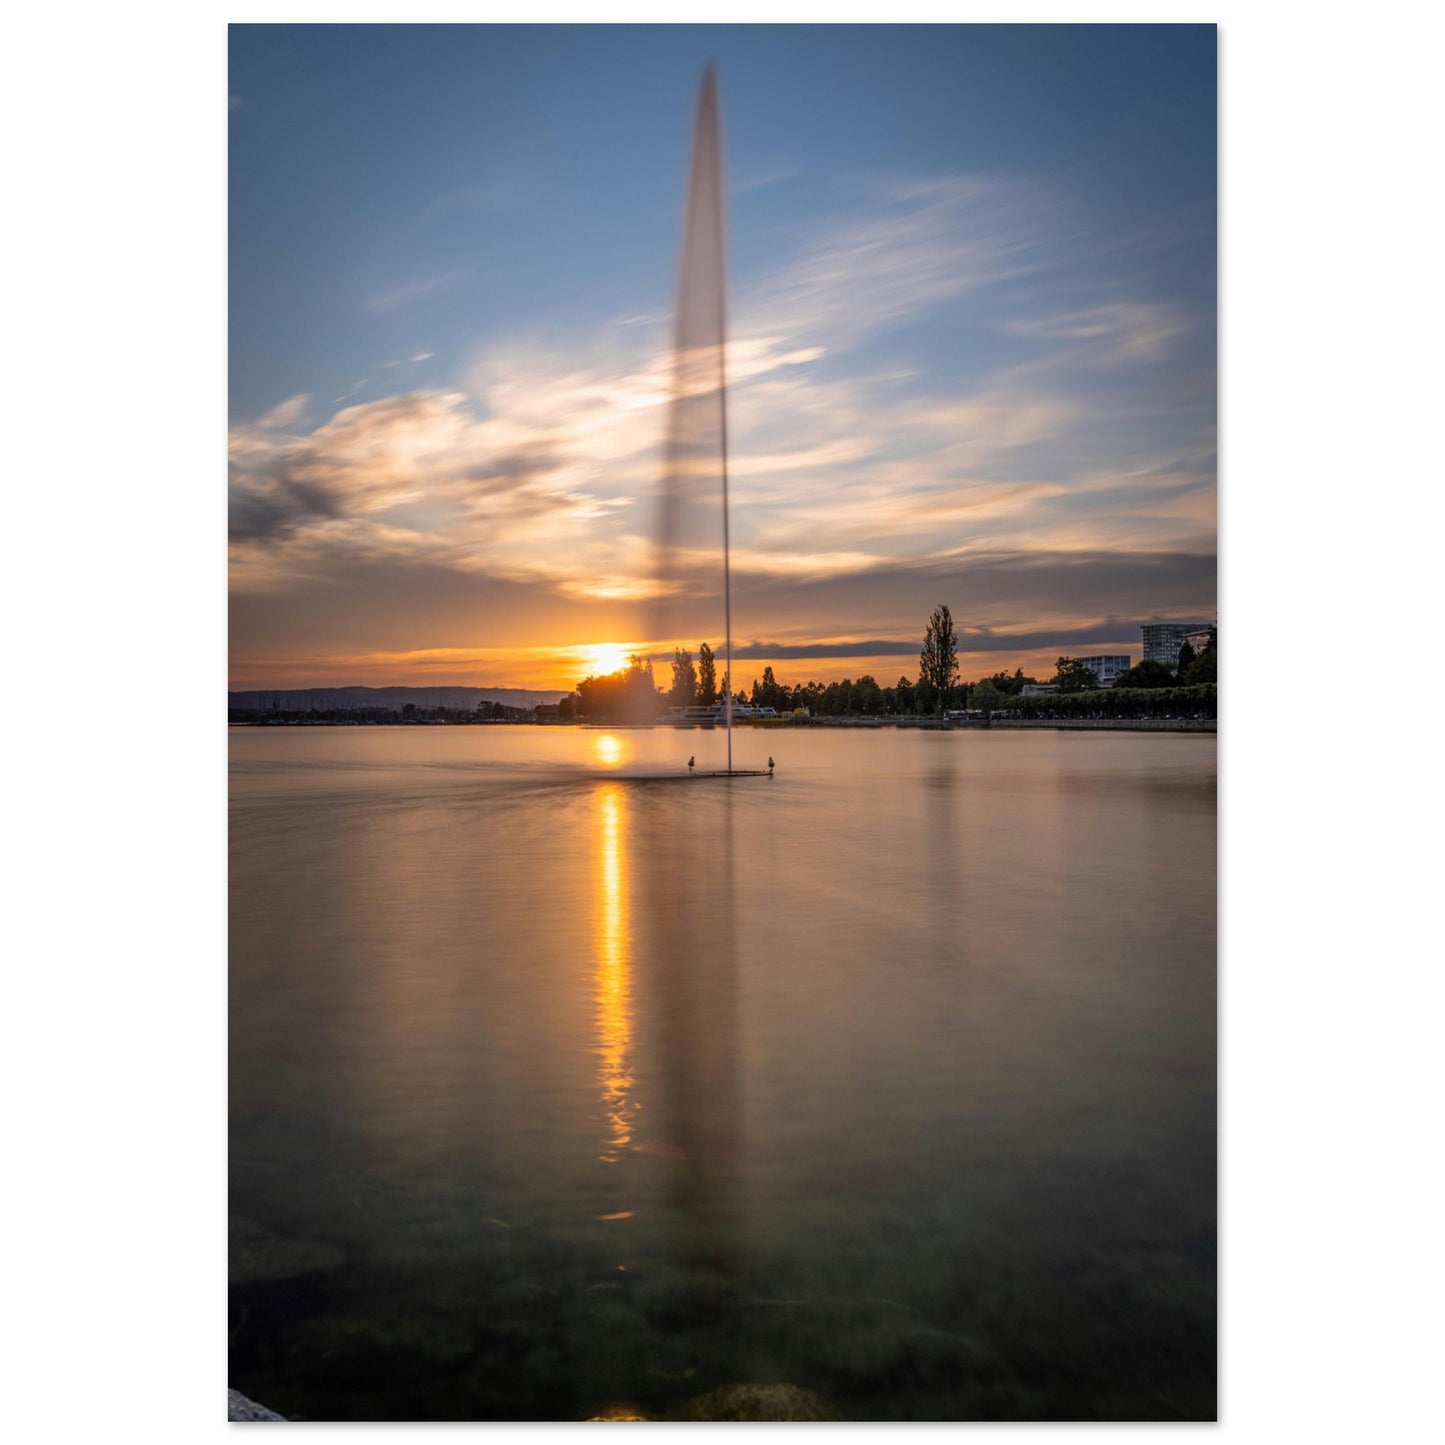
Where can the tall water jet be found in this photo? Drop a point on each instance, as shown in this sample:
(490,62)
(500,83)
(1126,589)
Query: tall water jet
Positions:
(695,468)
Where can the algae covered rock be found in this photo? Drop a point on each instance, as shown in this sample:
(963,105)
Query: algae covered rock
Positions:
(759,1402)
(238,1407)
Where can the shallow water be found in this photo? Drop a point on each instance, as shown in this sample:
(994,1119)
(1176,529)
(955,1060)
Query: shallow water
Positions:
(557,1087)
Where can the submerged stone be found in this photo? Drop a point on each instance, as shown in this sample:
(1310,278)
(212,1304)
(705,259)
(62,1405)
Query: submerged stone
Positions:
(260,1257)
(759,1402)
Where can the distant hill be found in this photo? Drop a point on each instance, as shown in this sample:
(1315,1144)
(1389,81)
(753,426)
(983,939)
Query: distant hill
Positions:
(292,699)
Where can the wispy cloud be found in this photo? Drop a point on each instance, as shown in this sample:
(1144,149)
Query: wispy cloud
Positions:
(761,177)
(285,414)
(856,479)
(414,291)
(916,245)
(1117,334)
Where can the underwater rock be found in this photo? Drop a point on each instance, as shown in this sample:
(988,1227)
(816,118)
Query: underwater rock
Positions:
(260,1257)
(238,1407)
(415,1344)
(759,1402)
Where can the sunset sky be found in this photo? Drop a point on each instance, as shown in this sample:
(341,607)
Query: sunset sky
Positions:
(973,356)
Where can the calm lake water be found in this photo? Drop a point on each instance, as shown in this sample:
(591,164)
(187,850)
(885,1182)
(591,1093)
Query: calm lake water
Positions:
(557,1088)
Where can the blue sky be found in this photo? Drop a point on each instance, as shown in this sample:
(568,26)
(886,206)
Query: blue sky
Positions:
(972,301)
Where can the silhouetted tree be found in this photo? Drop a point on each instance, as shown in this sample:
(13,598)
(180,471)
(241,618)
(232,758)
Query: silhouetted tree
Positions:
(1123,702)
(630,695)
(1205,667)
(768,692)
(684,679)
(1145,674)
(707,693)
(1011,683)
(938,662)
(988,695)
(1072,676)
(867,697)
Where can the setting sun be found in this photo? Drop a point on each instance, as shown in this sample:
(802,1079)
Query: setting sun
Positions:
(607,657)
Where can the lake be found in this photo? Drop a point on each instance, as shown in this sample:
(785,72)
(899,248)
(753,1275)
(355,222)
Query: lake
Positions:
(559,1087)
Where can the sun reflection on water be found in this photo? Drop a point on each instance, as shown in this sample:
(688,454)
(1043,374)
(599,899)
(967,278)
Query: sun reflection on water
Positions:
(613,979)
(607,748)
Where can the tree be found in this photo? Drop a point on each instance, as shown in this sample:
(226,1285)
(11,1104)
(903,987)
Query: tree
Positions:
(988,695)
(1186,656)
(684,679)
(938,662)
(1204,668)
(867,696)
(768,692)
(1073,676)
(808,695)
(706,677)
(1012,684)
(629,695)
(1145,674)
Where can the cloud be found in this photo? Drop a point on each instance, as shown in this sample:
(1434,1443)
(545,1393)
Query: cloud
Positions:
(286,414)
(916,246)
(970,640)
(761,177)
(864,487)
(421,477)
(1119,334)
(414,291)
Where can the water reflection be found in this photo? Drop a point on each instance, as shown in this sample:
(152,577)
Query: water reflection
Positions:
(613,986)
(902,1067)
(693,983)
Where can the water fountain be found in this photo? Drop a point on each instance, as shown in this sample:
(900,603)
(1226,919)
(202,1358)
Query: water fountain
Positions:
(695,469)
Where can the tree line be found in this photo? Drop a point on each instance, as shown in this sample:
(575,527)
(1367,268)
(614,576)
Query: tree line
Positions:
(632,694)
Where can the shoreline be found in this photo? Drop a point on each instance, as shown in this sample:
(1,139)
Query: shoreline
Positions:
(1062,724)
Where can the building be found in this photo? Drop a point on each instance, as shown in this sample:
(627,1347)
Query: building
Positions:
(1037,689)
(1107,667)
(1162,640)
(1200,640)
